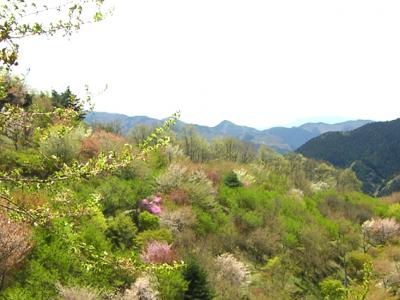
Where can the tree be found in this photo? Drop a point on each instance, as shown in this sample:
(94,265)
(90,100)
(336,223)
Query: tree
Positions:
(234,150)
(348,181)
(232,180)
(139,133)
(194,145)
(13,91)
(198,288)
(68,100)
(24,18)
(378,231)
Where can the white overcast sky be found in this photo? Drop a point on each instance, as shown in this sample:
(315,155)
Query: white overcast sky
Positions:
(256,63)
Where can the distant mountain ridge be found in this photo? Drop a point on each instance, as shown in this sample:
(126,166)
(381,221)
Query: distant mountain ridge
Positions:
(282,139)
(372,151)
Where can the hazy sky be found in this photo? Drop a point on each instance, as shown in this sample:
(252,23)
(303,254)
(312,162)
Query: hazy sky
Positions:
(257,63)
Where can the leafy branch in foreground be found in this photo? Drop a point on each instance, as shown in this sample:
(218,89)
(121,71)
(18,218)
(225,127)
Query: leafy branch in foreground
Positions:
(24,18)
(77,170)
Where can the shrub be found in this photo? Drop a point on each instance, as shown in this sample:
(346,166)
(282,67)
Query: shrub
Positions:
(153,206)
(171,283)
(179,196)
(28,160)
(206,223)
(332,289)
(232,180)
(173,153)
(120,194)
(77,293)
(356,261)
(232,270)
(172,178)
(158,253)
(213,176)
(147,221)
(143,238)
(15,245)
(244,177)
(65,147)
(144,288)
(92,230)
(29,199)
(121,230)
(101,141)
(249,220)
(265,242)
(178,220)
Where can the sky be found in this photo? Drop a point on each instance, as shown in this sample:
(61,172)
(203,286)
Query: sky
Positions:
(256,63)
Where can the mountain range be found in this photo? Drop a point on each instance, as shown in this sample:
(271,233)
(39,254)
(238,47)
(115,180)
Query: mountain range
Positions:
(281,139)
(372,151)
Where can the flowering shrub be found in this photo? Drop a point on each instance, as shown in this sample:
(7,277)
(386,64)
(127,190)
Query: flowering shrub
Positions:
(232,270)
(158,253)
(101,141)
(381,230)
(319,186)
(213,176)
(144,288)
(152,206)
(15,245)
(200,177)
(173,152)
(296,194)
(244,177)
(178,220)
(172,178)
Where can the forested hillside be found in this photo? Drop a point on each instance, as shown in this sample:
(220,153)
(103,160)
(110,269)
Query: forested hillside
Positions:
(372,151)
(90,214)
(281,139)
(92,211)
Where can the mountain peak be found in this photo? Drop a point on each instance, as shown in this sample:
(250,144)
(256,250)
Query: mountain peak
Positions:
(225,123)
(279,138)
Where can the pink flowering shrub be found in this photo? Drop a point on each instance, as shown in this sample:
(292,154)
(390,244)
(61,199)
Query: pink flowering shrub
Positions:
(152,206)
(158,252)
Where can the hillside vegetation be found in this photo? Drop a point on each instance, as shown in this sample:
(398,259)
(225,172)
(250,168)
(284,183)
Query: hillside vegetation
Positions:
(372,151)
(181,219)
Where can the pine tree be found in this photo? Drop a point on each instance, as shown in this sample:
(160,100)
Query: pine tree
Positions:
(199,288)
(69,100)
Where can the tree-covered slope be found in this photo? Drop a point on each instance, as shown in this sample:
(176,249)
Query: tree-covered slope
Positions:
(372,150)
(87,213)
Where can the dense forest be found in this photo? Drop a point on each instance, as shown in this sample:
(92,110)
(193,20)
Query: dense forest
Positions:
(372,151)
